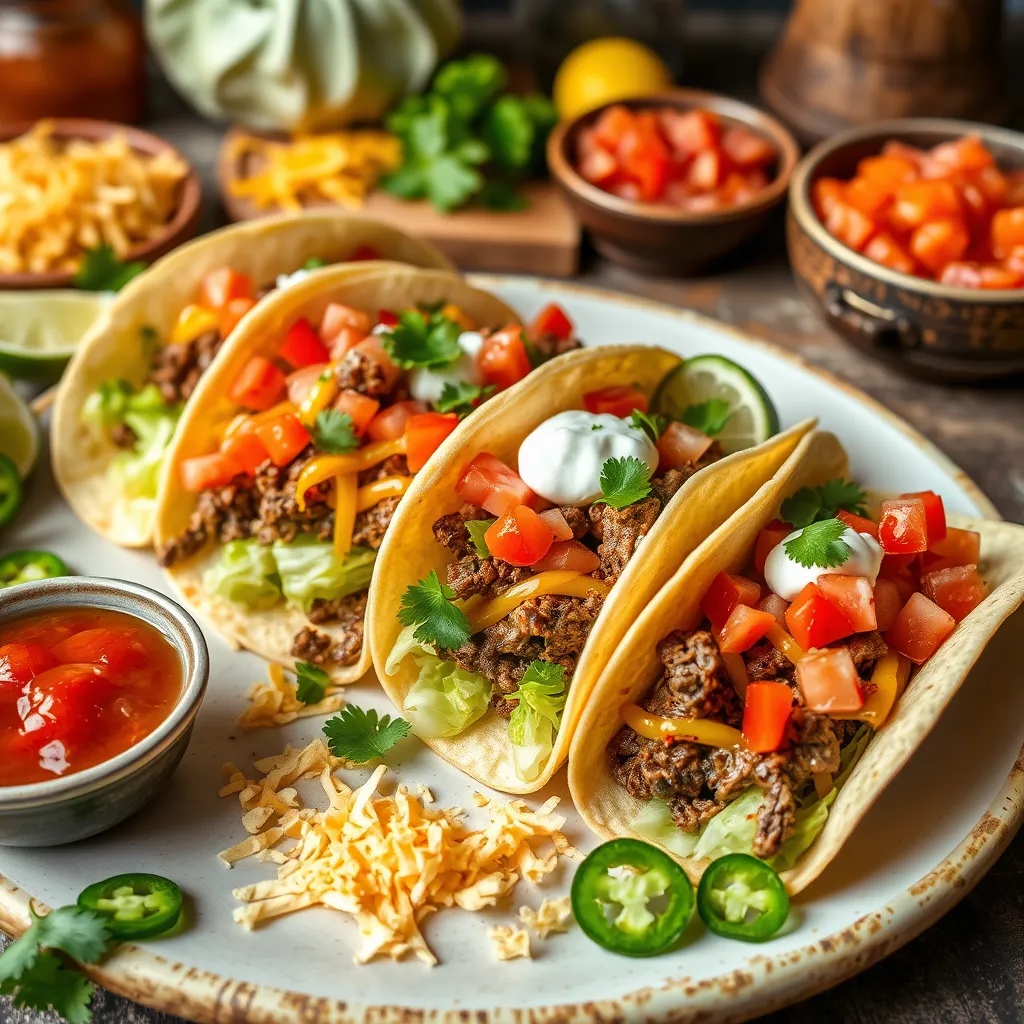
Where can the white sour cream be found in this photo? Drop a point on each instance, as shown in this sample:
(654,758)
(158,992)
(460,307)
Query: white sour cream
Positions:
(561,459)
(287,280)
(787,577)
(426,383)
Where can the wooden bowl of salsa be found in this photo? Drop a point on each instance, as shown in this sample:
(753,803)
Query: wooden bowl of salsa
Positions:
(100,683)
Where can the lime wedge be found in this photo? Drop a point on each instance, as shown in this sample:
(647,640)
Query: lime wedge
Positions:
(752,416)
(39,330)
(19,431)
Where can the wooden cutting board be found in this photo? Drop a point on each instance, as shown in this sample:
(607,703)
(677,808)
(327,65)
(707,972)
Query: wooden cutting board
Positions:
(543,239)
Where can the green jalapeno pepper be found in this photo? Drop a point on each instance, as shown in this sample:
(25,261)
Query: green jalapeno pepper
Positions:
(629,874)
(28,566)
(138,906)
(741,897)
(10,490)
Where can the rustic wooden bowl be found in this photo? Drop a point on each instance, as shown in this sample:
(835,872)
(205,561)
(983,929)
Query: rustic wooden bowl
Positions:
(658,238)
(181,227)
(916,325)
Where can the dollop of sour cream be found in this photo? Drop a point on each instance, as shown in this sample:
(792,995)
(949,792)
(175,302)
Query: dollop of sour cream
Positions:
(427,383)
(561,459)
(787,577)
(287,280)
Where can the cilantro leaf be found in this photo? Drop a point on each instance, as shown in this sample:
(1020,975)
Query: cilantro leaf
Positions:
(476,528)
(651,424)
(311,682)
(802,508)
(470,84)
(843,494)
(423,339)
(358,735)
(708,417)
(334,432)
(461,397)
(813,504)
(428,605)
(52,985)
(624,481)
(819,545)
(80,933)
(102,271)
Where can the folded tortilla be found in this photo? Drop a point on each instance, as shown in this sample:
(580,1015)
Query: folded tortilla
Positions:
(115,346)
(635,667)
(410,551)
(269,632)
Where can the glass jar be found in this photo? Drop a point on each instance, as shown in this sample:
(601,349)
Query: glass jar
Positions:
(70,58)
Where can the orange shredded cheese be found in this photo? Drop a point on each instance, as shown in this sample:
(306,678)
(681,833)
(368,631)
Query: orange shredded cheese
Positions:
(509,943)
(274,703)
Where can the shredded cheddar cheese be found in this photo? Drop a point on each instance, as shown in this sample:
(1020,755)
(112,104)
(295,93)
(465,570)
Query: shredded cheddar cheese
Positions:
(390,487)
(346,486)
(274,703)
(509,943)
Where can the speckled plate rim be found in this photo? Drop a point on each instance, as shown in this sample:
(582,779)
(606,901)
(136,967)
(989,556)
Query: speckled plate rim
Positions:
(764,984)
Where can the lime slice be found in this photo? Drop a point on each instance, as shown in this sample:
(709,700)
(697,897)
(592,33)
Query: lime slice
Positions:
(19,431)
(752,416)
(39,330)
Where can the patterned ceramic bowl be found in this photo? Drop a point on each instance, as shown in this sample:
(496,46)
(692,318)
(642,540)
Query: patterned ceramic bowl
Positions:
(916,325)
(66,809)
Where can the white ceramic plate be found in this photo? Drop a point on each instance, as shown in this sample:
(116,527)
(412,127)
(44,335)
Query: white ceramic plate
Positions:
(938,827)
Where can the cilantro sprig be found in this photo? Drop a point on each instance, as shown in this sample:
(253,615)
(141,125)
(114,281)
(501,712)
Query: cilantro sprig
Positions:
(359,736)
(428,606)
(819,545)
(708,417)
(423,338)
(624,482)
(102,271)
(815,504)
(334,432)
(461,397)
(311,682)
(651,424)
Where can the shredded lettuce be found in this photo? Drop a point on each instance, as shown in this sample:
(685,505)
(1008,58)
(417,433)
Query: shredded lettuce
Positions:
(406,643)
(445,699)
(534,723)
(309,569)
(245,573)
(654,823)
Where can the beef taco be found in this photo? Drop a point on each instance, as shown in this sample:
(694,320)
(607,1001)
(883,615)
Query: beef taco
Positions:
(517,562)
(297,447)
(789,668)
(138,365)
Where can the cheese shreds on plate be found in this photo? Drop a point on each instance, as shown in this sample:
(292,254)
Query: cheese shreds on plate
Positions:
(509,943)
(389,861)
(275,703)
(550,917)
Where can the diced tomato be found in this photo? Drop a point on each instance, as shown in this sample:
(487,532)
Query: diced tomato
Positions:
(957,590)
(920,629)
(386,318)
(201,472)
(918,157)
(246,450)
(961,274)
(619,400)
(284,437)
(934,514)
(769,538)
(364,252)
(503,360)
(491,485)
(725,592)
(994,185)
(360,407)
(424,434)
(611,126)
(1007,230)
(567,554)
(232,313)
(259,385)
(775,606)
(854,596)
(884,249)
(826,193)
(888,171)
(707,170)
(858,523)
(814,620)
(594,163)
(901,576)
(744,627)
(681,446)
(829,682)
(390,421)
(338,316)
(625,190)
(867,196)
(766,712)
(20,663)
(903,526)
(919,202)
(939,242)
(644,157)
(994,277)
(373,348)
(690,132)
(552,320)
(300,382)
(100,645)
(221,286)
(344,341)
(964,154)
(302,346)
(746,148)
(557,524)
(958,547)
(888,602)
(849,225)
(519,536)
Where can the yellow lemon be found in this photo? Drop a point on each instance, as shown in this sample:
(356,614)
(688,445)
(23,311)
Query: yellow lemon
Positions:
(605,70)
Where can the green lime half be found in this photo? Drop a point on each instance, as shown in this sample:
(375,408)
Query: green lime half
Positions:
(39,330)
(752,416)
(19,431)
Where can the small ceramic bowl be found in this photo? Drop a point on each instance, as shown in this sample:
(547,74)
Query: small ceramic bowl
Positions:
(180,228)
(658,238)
(914,324)
(63,810)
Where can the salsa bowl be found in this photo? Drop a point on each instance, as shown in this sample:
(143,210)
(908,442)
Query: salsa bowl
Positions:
(67,808)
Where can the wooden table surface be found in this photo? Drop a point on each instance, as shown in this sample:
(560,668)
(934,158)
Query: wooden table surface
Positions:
(968,968)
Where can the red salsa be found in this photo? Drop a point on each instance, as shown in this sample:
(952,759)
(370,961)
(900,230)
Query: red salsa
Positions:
(78,687)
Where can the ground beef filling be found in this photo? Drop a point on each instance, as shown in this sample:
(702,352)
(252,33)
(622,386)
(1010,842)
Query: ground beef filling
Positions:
(696,781)
(176,368)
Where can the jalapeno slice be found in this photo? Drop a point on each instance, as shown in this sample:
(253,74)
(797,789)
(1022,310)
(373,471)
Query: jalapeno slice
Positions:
(138,905)
(741,897)
(10,490)
(27,566)
(628,874)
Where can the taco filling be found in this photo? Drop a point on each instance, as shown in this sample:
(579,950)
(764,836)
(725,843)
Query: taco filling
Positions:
(534,551)
(761,712)
(329,433)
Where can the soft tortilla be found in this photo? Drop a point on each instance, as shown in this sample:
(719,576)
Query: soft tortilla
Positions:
(606,806)
(270,632)
(409,552)
(113,347)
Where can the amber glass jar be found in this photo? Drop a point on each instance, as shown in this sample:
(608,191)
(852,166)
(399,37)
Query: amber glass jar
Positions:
(70,58)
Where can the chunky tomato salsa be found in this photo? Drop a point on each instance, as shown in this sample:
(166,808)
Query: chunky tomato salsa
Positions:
(77,687)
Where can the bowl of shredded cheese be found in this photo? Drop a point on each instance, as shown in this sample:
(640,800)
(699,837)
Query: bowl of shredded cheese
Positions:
(71,186)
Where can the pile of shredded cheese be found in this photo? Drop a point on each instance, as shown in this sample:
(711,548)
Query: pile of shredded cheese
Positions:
(389,861)
(274,703)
